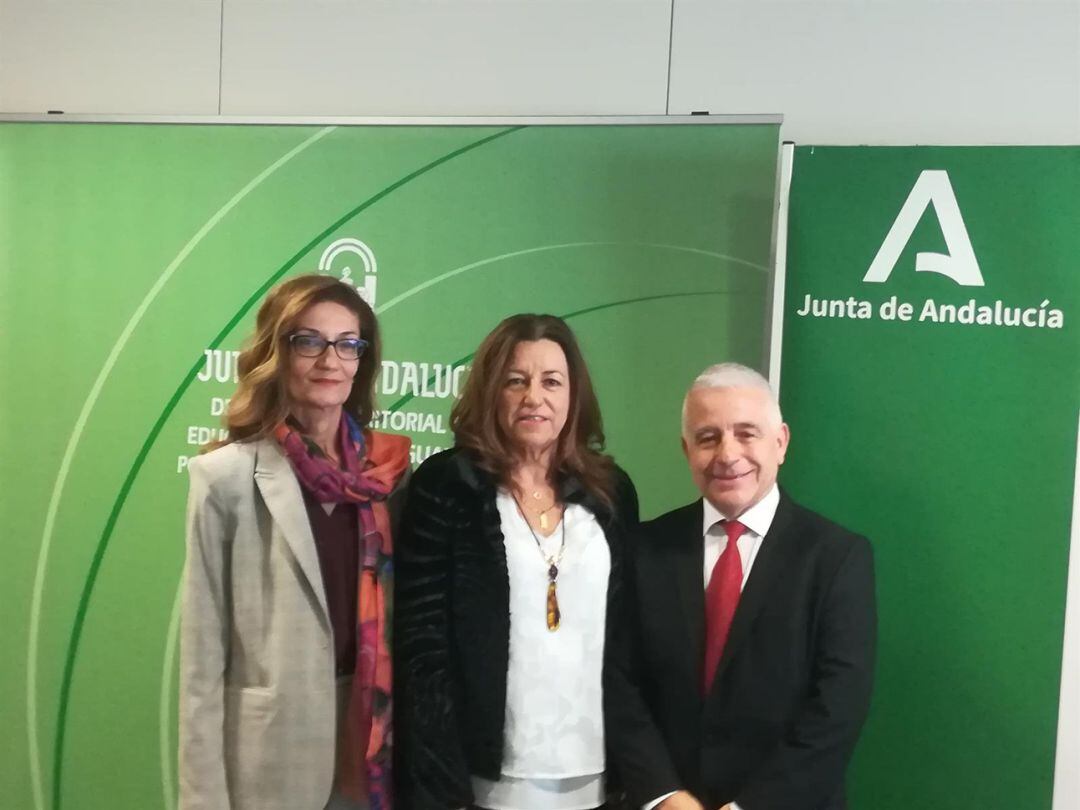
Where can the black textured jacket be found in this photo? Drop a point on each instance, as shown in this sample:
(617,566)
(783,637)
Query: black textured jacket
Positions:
(452,625)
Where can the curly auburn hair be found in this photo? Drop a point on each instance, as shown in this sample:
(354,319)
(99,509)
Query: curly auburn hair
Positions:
(261,402)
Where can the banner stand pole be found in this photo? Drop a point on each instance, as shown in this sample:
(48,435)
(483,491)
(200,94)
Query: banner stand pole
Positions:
(1067,755)
(774,336)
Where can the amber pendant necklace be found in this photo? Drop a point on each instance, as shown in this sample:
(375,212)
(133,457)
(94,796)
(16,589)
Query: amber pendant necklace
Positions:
(554,616)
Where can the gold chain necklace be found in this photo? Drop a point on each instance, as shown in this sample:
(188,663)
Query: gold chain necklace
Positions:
(553,615)
(541,513)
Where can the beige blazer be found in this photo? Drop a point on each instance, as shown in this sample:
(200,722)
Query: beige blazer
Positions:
(258,698)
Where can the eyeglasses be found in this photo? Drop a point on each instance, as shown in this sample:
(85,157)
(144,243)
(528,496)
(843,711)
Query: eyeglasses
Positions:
(314,345)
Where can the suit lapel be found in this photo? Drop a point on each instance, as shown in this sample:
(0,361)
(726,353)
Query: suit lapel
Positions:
(688,560)
(769,567)
(281,492)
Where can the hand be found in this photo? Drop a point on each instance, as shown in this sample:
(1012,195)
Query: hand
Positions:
(680,800)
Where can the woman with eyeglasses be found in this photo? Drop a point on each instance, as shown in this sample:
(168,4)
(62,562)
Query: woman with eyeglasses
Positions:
(285,682)
(507,588)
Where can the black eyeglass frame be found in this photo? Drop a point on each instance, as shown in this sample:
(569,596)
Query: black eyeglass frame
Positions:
(361,345)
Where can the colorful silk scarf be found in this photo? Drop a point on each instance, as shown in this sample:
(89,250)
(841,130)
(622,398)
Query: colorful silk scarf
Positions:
(374,463)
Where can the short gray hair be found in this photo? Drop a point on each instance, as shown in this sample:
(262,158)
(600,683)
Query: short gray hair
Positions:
(734,375)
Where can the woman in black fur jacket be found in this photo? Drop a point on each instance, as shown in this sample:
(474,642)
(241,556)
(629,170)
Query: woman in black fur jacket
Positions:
(507,586)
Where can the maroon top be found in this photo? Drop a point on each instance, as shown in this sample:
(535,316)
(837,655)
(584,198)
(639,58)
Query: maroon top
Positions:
(337,542)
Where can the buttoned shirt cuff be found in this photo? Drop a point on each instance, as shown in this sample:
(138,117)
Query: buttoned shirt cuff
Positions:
(657,800)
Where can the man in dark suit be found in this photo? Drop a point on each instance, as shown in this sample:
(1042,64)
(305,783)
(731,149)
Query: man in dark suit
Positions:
(748,657)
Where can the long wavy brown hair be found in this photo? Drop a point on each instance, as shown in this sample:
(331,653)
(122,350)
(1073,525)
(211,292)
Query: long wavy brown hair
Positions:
(579,451)
(261,402)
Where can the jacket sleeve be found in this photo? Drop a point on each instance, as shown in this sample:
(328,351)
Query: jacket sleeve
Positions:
(204,642)
(807,768)
(640,757)
(641,762)
(432,770)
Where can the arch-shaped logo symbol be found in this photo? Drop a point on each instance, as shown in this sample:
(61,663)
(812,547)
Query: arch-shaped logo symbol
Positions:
(352,247)
(931,189)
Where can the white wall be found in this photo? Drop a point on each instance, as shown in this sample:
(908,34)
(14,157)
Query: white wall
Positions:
(466,57)
(886,71)
(841,71)
(111,56)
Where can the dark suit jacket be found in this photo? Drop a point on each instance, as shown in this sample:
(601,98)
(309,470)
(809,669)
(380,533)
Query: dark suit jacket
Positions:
(777,728)
(452,625)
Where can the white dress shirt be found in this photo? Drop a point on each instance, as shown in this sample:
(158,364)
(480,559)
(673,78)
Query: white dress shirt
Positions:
(757,520)
(553,757)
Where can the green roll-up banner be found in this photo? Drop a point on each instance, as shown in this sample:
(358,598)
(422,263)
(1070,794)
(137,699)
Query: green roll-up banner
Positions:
(931,380)
(132,260)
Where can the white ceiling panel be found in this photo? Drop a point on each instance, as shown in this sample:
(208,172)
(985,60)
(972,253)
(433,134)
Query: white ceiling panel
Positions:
(110,56)
(448,57)
(885,71)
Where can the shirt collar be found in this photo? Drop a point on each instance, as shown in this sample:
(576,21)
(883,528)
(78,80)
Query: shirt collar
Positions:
(758,518)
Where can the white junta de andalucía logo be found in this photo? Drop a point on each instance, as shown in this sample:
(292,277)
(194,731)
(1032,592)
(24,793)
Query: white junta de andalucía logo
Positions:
(349,249)
(959,264)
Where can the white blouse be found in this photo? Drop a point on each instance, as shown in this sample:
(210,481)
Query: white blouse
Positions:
(554,734)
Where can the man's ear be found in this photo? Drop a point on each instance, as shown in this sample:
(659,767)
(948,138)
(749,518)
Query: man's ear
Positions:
(783,439)
(685,447)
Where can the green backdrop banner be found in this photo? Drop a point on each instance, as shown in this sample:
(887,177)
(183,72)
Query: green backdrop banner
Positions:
(132,259)
(931,381)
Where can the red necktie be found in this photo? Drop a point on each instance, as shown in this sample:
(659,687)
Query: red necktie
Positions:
(721,598)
